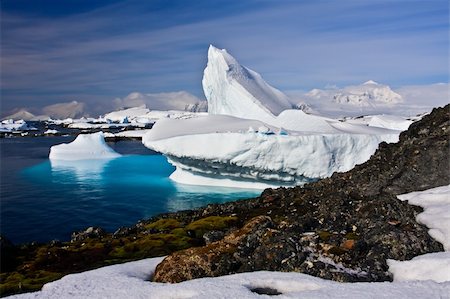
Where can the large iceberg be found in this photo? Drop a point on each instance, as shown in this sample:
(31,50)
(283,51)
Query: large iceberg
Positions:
(84,147)
(252,139)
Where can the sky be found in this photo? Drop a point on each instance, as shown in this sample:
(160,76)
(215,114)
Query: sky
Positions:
(94,51)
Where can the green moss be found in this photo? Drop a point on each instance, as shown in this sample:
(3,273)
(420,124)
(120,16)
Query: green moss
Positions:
(210,223)
(180,232)
(351,236)
(16,282)
(324,235)
(150,246)
(164,224)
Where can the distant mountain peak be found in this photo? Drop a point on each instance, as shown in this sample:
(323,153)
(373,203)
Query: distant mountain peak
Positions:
(370,82)
(20,114)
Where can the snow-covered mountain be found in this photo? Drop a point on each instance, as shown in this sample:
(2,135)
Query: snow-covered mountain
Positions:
(233,89)
(178,100)
(72,109)
(21,114)
(369,93)
(371,98)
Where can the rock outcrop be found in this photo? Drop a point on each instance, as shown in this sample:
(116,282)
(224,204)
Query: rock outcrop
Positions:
(341,228)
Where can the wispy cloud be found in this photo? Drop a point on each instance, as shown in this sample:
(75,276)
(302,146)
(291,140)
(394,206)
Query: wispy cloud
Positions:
(110,51)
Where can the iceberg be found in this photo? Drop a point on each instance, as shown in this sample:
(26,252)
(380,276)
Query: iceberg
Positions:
(84,147)
(10,125)
(251,138)
(127,114)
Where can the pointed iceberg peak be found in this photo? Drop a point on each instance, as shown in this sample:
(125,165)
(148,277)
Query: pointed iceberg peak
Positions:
(371,82)
(213,48)
(233,89)
(218,56)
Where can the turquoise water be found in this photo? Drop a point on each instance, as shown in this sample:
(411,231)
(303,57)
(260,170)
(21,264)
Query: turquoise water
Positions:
(46,200)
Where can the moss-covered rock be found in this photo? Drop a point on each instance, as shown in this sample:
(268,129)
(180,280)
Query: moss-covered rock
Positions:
(201,226)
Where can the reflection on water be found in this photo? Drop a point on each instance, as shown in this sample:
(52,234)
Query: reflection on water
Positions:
(87,171)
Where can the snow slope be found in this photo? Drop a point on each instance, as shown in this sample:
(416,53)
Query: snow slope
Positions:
(235,90)
(425,276)
(84,147)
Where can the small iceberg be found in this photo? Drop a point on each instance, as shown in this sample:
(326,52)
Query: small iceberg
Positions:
(84,147)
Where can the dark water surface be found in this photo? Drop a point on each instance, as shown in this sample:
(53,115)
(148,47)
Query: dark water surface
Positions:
(43,200)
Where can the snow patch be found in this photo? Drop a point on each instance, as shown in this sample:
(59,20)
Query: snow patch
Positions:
(432,266)
(436,214)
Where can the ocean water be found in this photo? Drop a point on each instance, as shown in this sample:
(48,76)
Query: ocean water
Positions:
(43,200)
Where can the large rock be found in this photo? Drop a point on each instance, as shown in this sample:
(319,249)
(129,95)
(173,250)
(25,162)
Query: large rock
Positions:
(341,228)
(212,260)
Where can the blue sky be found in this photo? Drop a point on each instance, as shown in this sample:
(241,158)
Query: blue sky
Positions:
(94,50)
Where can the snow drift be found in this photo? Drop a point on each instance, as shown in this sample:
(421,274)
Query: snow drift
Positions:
(84,147)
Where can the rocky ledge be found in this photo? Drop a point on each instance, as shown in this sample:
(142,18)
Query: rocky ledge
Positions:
(342,228)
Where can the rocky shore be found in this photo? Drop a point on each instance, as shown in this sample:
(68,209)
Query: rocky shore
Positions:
(341,228)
